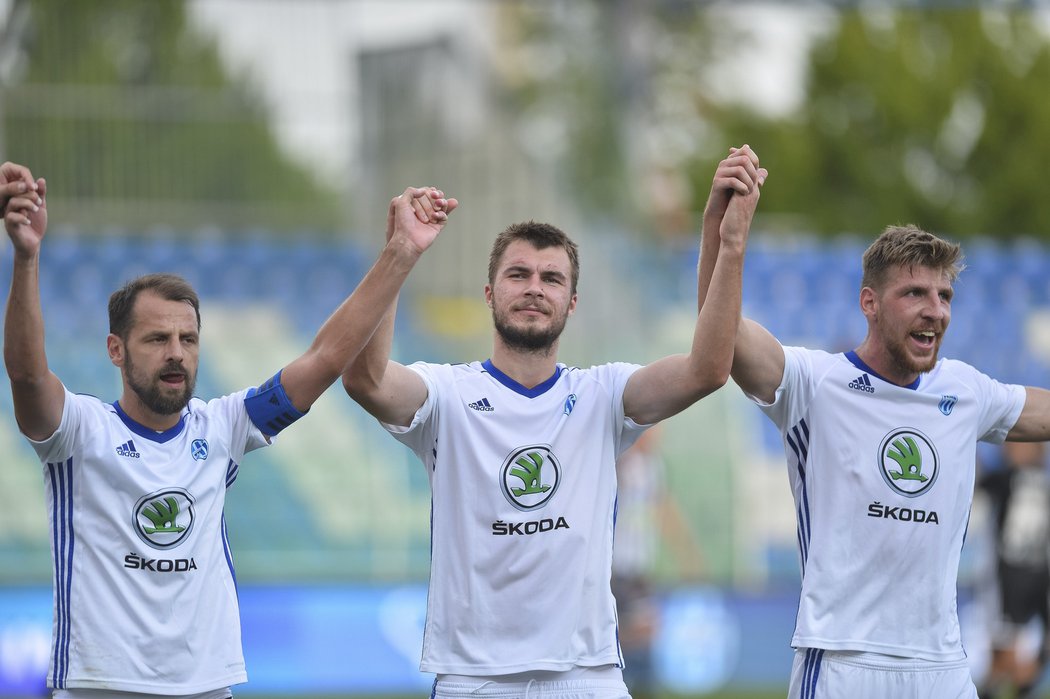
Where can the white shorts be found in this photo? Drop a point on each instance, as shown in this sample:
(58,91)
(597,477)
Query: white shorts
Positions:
(80,693)
(604,682)
(828,674)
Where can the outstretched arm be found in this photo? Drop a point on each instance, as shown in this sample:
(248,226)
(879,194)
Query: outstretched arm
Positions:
(672,384)
(37,393)
(349,329)
(1034,423)
(389,391)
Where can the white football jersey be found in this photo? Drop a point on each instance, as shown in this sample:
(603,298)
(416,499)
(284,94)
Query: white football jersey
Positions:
(523,488)
(883,478)
(145,597)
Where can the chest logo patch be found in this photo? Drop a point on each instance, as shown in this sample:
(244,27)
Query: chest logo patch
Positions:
(164,518)
(530,476)
(908,461)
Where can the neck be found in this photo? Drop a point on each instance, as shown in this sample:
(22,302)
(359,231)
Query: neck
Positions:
(529,368)
(884,364)
(138,412)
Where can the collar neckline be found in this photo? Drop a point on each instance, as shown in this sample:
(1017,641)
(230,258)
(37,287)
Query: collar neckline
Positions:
(856,361)
(537,390)
(147,433)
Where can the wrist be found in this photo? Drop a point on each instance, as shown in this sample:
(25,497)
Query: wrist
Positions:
(402,251)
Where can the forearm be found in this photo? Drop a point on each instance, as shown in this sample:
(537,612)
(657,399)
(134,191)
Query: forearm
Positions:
(714,337)
(670,385)
(365,373)
(350,328)
(36,392)
(709,245)
(24,354)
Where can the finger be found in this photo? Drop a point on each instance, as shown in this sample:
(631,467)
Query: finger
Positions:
(747,151)
(23,204)
(12,172)
(13,189)
(420,209)
(736,179)
(450,205)
(762,175)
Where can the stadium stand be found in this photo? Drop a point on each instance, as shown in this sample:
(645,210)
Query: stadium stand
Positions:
(335,498)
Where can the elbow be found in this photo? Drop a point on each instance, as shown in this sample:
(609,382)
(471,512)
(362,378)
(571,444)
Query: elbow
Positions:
(713,381)
(358,383)
(351,383)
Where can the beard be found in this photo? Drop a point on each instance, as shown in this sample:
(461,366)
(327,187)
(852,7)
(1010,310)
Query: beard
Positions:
(150,390)
(907,362)
(529,338)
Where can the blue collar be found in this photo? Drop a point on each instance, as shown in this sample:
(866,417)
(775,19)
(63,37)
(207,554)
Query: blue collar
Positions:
(145,432)
(859,363)
(537,390)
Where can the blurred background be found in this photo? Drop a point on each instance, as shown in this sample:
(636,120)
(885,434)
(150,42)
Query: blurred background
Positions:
(253,145)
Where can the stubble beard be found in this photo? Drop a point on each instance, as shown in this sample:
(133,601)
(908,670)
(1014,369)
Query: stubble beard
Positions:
(908,363)
(531,339)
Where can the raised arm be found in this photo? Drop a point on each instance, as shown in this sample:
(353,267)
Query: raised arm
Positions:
(673,383)
(37,393)
(389,391)
(415,219)
(758,358)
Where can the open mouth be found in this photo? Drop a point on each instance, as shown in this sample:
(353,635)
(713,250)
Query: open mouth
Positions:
(173,379)
(925,338)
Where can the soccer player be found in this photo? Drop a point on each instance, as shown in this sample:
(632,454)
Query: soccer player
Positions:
(881,448)
(521,452)
(145,599)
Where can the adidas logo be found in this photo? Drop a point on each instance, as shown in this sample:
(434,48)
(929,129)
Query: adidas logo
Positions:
(483,405)
(862,383)
(128,449)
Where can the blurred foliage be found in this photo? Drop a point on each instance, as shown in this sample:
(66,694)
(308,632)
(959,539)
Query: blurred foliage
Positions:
(600,87)
(125,104)
(939,117)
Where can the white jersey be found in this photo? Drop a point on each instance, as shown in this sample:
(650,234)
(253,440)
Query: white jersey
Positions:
(145,598)
(883,477)
(523,486)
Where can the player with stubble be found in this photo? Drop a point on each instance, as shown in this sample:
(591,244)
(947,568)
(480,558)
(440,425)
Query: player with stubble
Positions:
(881,450)
(520,451)
(145,597)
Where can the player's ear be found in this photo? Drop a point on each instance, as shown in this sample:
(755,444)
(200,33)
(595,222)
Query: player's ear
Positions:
(115,347)
(488,295)
(869,302)
(572,304)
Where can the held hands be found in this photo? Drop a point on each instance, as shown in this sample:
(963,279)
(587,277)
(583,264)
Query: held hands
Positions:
(23,206)
(734,194)
(738,173)
(417,216)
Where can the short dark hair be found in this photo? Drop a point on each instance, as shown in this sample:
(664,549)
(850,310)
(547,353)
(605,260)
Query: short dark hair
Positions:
(908,246)
(539,236)
(170,287)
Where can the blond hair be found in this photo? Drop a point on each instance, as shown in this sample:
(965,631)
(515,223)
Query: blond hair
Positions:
(909,246)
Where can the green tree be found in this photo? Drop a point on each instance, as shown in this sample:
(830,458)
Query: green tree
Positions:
(938,117)
(594,84)
(128,110)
